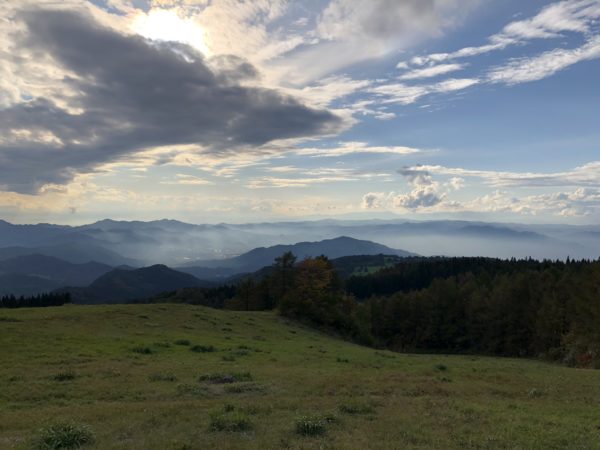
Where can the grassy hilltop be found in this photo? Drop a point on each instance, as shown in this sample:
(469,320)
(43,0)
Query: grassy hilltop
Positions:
(189,377)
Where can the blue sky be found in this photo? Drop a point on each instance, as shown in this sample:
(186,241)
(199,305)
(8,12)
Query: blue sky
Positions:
(220,110)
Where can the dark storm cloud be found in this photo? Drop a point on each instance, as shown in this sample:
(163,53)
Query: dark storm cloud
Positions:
(136,94)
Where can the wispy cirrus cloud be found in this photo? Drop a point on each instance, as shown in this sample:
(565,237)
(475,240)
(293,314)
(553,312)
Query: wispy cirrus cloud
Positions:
(587,175)
(405,94)
(349,148)
(579,17)
(430,72)
(526,69)
(574,16)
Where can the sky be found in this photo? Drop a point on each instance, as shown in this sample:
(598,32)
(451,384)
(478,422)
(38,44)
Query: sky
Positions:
(213,111)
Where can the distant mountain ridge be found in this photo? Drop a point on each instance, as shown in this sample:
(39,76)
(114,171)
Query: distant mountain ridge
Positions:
(175,243)
(264,256)
(123,285)
(18,284)
(48,267)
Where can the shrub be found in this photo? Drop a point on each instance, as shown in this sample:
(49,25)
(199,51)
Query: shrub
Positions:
(203,349)
(311,426)
(182,342)
(230,420)
(67,375)
(63,435)
(142,350)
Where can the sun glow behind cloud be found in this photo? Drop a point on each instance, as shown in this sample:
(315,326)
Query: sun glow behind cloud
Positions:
(168,25)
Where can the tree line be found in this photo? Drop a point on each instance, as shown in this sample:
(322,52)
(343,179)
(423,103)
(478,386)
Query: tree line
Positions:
(35,301)
(527,308)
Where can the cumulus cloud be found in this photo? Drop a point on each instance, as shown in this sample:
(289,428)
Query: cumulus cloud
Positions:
(425,193)
(132,94)
(429,194)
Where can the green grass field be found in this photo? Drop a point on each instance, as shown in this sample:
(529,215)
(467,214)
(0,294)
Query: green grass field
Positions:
(187,377)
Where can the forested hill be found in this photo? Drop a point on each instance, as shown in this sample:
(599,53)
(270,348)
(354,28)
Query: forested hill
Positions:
(460,305)
(418,273)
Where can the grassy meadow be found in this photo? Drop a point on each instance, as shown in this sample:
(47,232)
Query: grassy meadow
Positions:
(187,377)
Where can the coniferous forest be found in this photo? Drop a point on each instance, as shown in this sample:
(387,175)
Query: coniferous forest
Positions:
(35,301)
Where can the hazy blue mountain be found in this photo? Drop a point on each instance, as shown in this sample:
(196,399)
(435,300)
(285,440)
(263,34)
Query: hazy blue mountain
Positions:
(176,243)
(19,284)
(264,256)
(73,253)
(62,272)
(120,286)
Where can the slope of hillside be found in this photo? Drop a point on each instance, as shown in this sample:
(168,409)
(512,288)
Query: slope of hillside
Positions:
(260,257)
(70,252)
(18,284)
(121,285)
(179,376)
(54,269)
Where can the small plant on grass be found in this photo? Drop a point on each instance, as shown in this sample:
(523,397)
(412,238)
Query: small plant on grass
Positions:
(534,393)
(441,367)
(342,360)
(142,350)
(9,319)
(356,408)
(225,378)
(243,387)
(162,377)
(203,349)
(67,375)
(230,420)
(63,435)
(311,426)
(192,390)
(228,358)
(182,342)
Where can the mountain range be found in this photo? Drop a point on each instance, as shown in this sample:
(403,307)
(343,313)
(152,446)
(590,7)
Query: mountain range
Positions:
(42,257)
(176,243)
(94,282)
